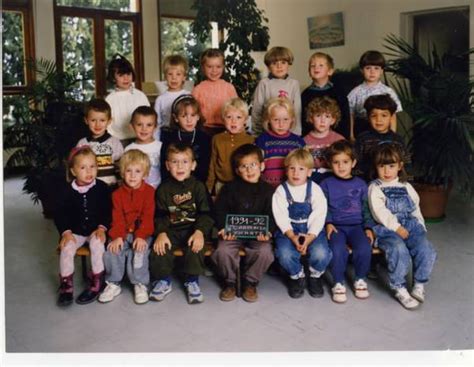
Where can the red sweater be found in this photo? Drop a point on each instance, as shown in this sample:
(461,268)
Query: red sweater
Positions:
(133,211)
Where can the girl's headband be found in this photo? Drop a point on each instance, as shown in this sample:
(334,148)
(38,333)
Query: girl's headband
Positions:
(181,98)
(75,151)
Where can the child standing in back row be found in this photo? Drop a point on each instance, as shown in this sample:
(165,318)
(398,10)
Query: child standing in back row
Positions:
(214,91)
(277,140)
(321,68)
(278,84)
(323,114)
(371,65)
(176,69)
(124,99)
(401,229)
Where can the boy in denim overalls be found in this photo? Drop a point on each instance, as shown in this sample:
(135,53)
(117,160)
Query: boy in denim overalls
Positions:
(299,208)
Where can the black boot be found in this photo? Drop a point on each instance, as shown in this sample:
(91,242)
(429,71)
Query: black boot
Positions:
(296,287)
(65,290)
(315,287)
(96,286)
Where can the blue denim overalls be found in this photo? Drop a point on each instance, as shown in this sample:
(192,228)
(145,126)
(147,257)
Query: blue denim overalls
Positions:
(319,254)
(399,251)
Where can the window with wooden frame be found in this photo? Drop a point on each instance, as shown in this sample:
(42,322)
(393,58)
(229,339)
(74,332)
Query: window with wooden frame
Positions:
(18,49)
(88,34)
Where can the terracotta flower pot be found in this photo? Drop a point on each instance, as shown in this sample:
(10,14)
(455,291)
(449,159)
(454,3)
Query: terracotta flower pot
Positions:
(433,200)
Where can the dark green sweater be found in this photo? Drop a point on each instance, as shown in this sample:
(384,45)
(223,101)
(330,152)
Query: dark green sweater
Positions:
(182,205)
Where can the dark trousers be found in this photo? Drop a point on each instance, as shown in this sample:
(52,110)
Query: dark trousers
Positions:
(161,266)
(361,252)
(258,257)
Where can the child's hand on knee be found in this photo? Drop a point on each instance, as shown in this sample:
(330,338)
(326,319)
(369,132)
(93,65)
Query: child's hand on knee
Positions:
(330,228)
(65,238)
(370,235)
(99,233)
(161,242)
(115,246)
(139,245)
(196,241)
(402,232)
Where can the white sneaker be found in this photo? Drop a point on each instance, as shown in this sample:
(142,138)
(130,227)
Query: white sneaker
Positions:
(194,292)
(141,293)
(405,299)
(360,289)
(160,290)
(418,292)
(339,293)
(110,292)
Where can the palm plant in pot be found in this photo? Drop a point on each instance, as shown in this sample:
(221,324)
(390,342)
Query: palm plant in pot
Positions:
(44,131)
(440,103)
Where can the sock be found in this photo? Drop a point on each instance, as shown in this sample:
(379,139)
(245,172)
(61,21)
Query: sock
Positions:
(313,273)
(298,275)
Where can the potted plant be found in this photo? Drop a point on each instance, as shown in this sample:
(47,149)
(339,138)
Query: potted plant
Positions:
(45,130)
(242,23)
(440,104)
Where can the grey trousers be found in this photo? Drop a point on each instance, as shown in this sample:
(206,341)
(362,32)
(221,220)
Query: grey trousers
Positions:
(259,256)
(136,263)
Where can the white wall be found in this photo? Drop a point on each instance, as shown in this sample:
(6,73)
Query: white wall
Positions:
(366,23)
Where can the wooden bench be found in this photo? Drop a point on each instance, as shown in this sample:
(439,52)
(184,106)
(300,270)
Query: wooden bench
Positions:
(84,253)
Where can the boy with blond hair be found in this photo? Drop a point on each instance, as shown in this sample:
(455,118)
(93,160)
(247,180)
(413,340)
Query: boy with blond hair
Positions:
(300,207)
(277,84)
(133,208)
(321,68)
(235,115)
(175,69)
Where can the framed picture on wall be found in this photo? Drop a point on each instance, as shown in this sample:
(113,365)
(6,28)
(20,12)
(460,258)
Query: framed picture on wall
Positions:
(326,30)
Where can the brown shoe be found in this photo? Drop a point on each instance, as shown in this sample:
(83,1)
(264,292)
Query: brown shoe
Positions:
(228,293)
(250,293)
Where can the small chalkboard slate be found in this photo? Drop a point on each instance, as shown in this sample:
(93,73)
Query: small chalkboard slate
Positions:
(246,226)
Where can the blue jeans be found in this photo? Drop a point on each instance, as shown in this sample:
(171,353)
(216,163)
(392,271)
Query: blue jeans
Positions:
(399,251)
(136,263)
(319,254)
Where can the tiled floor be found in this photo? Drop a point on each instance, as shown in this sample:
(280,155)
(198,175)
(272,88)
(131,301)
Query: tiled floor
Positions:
(276,323)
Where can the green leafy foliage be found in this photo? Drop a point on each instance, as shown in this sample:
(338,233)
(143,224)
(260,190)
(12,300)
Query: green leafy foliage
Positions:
(46,128)
(243,23)
(440,102)
(13,50)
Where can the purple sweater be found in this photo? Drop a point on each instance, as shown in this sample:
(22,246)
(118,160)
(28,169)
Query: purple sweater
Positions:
(275,149)
(347,201)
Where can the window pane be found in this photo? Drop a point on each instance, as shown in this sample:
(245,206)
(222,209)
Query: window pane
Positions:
(177,38)
(13,49)
(78,54)
(120,5)
(118,39)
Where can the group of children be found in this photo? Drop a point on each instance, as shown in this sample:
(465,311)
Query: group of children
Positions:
(190,161)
